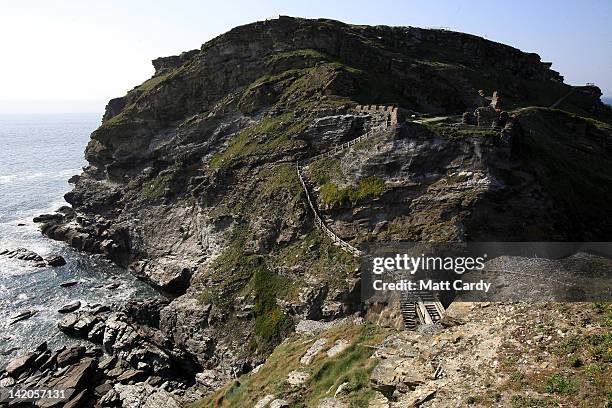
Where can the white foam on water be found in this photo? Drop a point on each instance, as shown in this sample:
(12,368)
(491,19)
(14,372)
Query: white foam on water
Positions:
(43,175)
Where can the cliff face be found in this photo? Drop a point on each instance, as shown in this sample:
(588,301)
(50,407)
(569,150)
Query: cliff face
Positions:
(191,180)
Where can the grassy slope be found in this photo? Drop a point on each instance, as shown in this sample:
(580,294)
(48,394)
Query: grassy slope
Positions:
(353,365)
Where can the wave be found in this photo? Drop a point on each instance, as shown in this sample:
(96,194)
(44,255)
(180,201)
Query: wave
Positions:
(49,175)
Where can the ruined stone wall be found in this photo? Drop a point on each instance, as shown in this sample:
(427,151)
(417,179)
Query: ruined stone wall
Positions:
(381,113)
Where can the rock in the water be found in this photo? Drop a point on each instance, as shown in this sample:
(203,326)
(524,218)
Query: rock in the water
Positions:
(49,218)
(56,260)
(70,307)
(24,254)
(26,314)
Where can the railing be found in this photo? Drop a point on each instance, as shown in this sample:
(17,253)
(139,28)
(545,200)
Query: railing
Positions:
(319,221)
(338,148)
(390,123)
(412,311)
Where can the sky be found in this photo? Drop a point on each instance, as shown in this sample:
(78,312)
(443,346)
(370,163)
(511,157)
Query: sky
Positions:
(73,56)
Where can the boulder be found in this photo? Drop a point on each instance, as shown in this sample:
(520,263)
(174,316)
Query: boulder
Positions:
(56,260)
(70,356)
(78,400)
(26,314)
(70,307)
(296,378)
(7,382)
(55,217)
(332,403)
(138,396)
(130,375)
(75,376)
(21,364)
(262,403)
(338,347)
(69,283)
(312,351)
(211,380)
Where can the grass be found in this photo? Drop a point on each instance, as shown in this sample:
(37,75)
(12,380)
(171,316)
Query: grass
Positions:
(299,55)
(558,384)
(320,256)
(577,370)
(233,268)
(270,135)
(157,187)
(353,365)
(369,187)
(151,83)
(325,170)
(278,178)
(519,401)
(271,324)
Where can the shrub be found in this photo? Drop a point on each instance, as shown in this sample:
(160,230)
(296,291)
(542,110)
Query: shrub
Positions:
(558,384)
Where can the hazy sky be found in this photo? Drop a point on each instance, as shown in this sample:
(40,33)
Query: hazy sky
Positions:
(75,55)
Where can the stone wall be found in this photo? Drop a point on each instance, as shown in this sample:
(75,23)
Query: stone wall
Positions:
(381,113)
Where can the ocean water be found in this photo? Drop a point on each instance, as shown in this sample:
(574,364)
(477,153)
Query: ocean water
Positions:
(38,153)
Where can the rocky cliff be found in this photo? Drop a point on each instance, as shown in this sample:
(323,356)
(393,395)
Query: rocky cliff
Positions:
(191,181)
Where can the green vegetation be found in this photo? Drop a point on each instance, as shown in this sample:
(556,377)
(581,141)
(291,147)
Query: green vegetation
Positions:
(233,268)
(156,188)
(366,144)
(271,324)
(270,135)
(353,365)
(558,384)
(151,83)
(279,178)
(298,55)
(324,170)
(519,401)
(604,313)
(369,187)
(317,253)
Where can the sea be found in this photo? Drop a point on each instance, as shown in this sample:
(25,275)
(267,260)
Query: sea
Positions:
(38,154)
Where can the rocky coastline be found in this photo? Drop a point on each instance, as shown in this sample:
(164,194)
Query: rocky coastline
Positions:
(192,186)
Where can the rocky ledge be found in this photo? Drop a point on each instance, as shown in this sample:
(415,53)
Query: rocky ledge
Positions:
(125,359)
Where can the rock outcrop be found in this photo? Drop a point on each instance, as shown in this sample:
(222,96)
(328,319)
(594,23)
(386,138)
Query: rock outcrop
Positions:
(191,183)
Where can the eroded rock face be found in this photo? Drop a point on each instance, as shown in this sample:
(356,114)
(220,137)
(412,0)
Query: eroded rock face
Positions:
(191,183)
